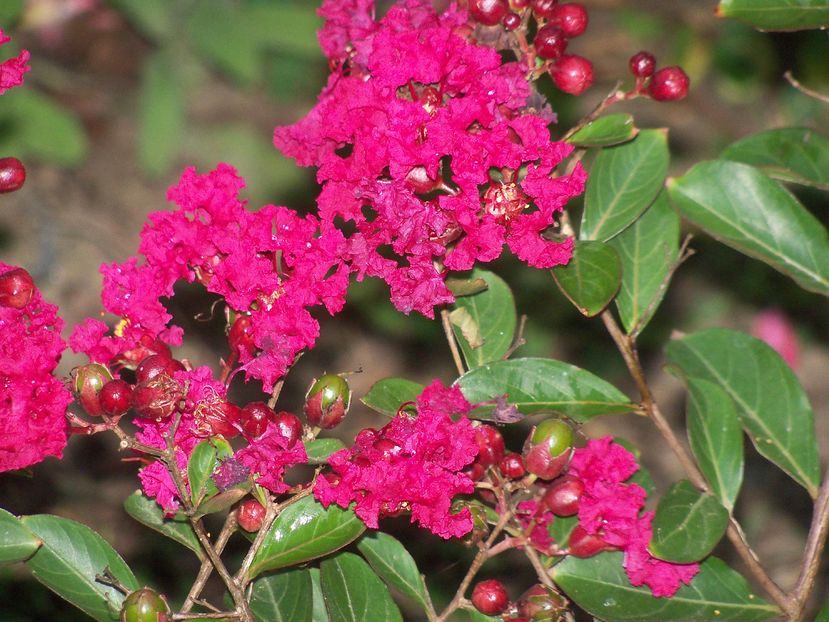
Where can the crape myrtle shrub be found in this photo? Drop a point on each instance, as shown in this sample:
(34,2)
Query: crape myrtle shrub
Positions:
(435,153)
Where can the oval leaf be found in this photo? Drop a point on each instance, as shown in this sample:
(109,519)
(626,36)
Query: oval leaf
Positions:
(648,250)
(795,154)
(353,593)
(743,208)
(147,512)
(69,559)
(770,402)
(716,438)
(319,614)
(393,564)
(536,385)
(600,586)
(305,530)
(283,597)
(605,131)
(592,277)
(200,467)
(687,525)
(387,395)
(777,14)
(623,181)
(320,449)
(493,313)
(16,542)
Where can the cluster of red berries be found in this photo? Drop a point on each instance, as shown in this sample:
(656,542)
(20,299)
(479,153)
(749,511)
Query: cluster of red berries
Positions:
(666,84)
(538,603)
(556,25)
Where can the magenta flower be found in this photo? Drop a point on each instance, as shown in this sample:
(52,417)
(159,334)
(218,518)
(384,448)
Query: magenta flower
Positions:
(268,456)
(612,509)
(412,464)
(12,69)
(32,401)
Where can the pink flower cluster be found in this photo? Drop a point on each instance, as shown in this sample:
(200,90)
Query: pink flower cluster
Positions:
(428,147)
(272,264)
(12,69)
(612,509)
(32,401)
(411,464)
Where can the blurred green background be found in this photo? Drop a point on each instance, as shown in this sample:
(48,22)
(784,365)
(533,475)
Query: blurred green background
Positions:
(124,93)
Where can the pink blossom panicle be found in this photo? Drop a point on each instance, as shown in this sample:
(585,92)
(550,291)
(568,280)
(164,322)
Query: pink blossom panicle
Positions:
(12,69)
(412,464)
(33,401)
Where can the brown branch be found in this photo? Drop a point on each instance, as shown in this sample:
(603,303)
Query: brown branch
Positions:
(221,615)
(450,337)
(206,568)
(815,543)
(627,348)
(805,90)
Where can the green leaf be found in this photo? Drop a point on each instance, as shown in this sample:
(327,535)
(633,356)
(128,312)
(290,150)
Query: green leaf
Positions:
(770,402)
(283,597)
(9,12)
(218,32)
(592,277)
(394,565)
(493,313)
(320,449)
(265,24)
(304,531)
(648,249)
(387,395)
(477,616)
(687,525)
(161,116)
(153,18)
(741,207)
(69,559)
(200,467)
(795,154)
(561,527)
(147,512)
(16,542)
(823,614)
(353,593)
(716,438)
(600,586)
(778,14)
(543,385)
(623,181)
(319,614)
(605,131)
(42,130)
(465,287)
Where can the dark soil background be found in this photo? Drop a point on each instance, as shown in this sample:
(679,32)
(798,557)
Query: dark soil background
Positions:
(86,205)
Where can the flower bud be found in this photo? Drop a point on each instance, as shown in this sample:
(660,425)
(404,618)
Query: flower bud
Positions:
(12,174)
(327,401)
(158,398)
(145,605)
(490,445)
(240,336)
(490,597)
(88,382)
(564,495)
(289,426)
(583,544)
(255,417)
(512,466)
(115,397)
(156,364)
(16,288)
(548,448)
(251,515)
(541,604)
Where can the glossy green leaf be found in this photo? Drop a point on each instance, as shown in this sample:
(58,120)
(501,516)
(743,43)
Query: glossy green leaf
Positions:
(200,467)
(319,449)
(320,614)
(600,586)
(16,542)
(592,277)
(387,395)
(605,131)
(770,402)
(543,385)
(394,565)
(716,438)
(353,593)
(465,287)
(69,559)
(40,129)
(743,208)
(778,14)
(623,181)
(161,117)
(493,313)
(147,512)
(477,616)
(688,524)
(648,249)
(795,154)
(304,531)
(561,527)
(283,597)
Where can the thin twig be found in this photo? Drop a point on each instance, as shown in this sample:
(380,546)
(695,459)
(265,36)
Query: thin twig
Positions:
(518,339)
(804,89)
(450,337)
(815,543)
(206,568)
(627,348)
(221,615)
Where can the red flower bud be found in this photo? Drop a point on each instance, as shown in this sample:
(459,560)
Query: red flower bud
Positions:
(255,417)
(88,381)
(16,288)
(145,605)
(490,597)
(156,364)
(289,426)
(490,445)
(116,397)
(512,466)
(251,515)
(157,398)
(240,335)
(669,84)
(548,448)
(12,174)
(583,544)
(564,495)
(572,74)
(327,401)
(488,12)
(541,603)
